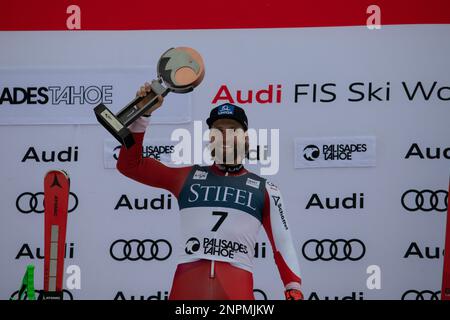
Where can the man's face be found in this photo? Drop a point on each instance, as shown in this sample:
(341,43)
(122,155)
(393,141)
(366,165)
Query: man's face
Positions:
(228,140)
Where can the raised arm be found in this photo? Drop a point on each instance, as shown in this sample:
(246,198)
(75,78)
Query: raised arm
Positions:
(147,170)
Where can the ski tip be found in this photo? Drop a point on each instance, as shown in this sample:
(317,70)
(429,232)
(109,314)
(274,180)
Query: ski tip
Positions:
(52,176)
(58,171)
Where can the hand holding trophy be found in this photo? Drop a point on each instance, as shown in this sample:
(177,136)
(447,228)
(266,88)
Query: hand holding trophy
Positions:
(179,70)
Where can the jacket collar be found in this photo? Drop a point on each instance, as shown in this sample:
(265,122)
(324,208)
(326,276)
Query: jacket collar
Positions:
(229,170)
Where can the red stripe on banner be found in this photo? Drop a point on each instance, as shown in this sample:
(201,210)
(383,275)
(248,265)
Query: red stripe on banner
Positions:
(229,14)
(446,274)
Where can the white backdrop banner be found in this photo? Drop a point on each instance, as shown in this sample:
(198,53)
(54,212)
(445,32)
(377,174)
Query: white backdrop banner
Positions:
(373,229)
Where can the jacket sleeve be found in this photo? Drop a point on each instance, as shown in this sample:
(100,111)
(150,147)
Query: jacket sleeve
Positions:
(276,226)
(149,171)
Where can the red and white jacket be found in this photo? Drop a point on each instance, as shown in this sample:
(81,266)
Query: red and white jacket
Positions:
(221,211)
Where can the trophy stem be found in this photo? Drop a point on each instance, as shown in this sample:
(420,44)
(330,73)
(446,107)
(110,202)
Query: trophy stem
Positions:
(130,112)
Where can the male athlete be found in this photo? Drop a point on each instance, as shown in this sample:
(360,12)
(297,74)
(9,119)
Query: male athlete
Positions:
(222,208)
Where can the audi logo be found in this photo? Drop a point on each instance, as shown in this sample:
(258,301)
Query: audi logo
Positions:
(135,249)
(67,295)
(28,202)
(339,250)
(425,200)
(421,295)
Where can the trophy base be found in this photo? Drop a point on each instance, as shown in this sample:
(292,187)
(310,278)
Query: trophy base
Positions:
(108,120)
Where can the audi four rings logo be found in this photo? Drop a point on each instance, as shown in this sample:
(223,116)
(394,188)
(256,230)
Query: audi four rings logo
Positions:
(339,250)
(421,295)
(28,202)
(425,200)
(135,249)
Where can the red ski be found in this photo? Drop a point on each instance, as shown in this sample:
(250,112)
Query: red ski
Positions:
(446,274)
(56,198)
